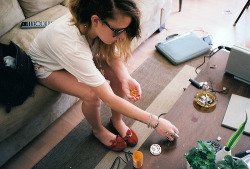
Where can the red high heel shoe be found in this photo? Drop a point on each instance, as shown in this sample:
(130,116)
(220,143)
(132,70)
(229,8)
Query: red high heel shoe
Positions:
(117,145)
(131,138)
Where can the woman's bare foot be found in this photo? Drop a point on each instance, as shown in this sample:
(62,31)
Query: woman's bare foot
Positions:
(111,141)
(104,136)
(127,134)
(120,126)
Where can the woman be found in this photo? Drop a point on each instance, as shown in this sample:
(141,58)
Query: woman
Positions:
(82,54)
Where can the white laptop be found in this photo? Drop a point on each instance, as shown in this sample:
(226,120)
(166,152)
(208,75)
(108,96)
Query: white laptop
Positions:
(238,63)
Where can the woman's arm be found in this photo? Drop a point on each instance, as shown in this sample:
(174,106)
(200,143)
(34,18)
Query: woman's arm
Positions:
(128,83)
(119,68)
(105,93)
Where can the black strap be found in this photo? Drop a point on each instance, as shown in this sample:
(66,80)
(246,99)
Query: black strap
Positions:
(118,159)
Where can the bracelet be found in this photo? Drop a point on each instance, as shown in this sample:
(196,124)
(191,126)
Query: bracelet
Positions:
(163,130)
(157,123)
(149,121)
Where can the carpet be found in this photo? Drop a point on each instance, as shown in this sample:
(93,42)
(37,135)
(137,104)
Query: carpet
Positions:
(162,84)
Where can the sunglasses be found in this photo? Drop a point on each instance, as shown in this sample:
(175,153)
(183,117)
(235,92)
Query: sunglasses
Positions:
(116,31)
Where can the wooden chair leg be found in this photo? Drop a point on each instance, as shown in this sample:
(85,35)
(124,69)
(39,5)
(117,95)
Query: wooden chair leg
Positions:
(245,7)
(180,4)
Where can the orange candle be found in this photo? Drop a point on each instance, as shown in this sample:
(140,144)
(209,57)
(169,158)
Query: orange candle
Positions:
(137,159)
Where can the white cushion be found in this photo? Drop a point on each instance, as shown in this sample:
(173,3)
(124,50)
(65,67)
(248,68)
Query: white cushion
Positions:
(32,7)
(24,37)
(10,15)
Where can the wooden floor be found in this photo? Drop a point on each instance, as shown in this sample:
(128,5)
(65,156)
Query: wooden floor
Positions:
(203,17)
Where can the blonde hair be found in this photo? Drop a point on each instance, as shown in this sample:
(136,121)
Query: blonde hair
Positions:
(122,48)
(82,11)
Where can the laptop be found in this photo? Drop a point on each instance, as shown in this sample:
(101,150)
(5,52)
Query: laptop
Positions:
(238,63)
(182,48)
(236,113)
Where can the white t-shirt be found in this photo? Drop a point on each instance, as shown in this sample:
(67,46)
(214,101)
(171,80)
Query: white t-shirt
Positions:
(61,46)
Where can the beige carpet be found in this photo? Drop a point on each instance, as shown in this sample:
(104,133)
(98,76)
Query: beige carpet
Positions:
(162,103)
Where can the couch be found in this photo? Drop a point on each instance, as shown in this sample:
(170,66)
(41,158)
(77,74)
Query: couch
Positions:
(25,122)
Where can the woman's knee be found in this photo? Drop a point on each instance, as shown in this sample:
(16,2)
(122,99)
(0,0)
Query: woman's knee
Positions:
(90,98)
(112,77)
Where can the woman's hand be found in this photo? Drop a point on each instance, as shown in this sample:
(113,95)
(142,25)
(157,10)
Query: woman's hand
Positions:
(166,129)
(132,89)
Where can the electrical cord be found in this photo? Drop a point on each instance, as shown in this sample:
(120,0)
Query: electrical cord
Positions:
(128,156)
(224,91)
(214,51)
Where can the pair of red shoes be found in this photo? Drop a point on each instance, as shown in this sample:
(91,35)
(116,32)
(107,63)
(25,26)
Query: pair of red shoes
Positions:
(120,143)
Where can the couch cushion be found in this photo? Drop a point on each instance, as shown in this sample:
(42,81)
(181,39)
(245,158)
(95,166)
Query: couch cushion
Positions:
(21,115)
(153,15)
(24,37)
(10,15)
(65,3)
(42,101)
(32,7)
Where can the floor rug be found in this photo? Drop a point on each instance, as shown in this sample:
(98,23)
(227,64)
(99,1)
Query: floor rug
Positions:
(79,149)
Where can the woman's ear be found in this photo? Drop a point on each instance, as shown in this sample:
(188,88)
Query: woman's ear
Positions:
(95,20)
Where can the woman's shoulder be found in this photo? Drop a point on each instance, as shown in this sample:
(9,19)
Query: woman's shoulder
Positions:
(64,26)
(64,30)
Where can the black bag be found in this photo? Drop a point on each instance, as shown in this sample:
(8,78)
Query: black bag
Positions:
(17,81)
